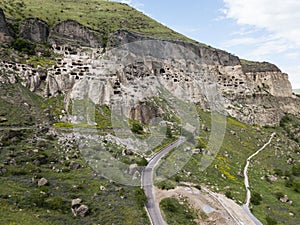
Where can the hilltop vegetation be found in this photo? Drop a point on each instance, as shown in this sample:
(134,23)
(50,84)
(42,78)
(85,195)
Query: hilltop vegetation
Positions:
(99,15)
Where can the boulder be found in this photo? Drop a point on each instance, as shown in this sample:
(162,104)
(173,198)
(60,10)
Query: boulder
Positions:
(284,199)
(78,208)
(132,169)
(82,210)
(76,202)
(34,29)
(42,182)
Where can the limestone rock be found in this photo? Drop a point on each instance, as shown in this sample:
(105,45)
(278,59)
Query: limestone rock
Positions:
(132,169)
(73,33)
(76,202)
(3,119)
(284,199)
(34,29)
(42,182)
(5,35)
(82,211)
(78,208)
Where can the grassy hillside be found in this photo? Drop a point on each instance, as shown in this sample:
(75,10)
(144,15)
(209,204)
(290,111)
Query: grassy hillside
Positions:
(279,161)
(100,15)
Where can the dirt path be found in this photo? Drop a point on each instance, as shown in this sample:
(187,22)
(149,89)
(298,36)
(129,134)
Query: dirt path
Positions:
(246,181)
(212,208)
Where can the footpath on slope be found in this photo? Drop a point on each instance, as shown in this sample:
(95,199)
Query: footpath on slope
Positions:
(246,182)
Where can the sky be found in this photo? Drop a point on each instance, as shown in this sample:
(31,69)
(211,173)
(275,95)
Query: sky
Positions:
(258,30)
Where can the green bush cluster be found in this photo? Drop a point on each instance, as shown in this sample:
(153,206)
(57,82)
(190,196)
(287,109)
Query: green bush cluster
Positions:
(24,46)
(136,127)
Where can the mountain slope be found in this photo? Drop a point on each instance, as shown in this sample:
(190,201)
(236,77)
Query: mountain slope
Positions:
(98,15)
(53,69)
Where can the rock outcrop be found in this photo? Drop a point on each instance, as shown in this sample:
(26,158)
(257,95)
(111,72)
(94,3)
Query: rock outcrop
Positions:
(135,67)
(74,33)
(206,54)
(34,29)
(5,35)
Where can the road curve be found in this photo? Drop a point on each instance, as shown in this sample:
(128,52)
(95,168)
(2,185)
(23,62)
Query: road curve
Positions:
(246,182)
(152,206)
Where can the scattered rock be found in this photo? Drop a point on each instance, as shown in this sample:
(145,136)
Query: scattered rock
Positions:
(3,119)
(240,174)
(272,178)
(132,169)
(82,210)
(76,202)
(196,151)
(284,199)
(78,208)
(42,182)
(102,188)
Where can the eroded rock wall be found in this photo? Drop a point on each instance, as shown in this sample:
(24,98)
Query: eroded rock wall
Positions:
(253,92)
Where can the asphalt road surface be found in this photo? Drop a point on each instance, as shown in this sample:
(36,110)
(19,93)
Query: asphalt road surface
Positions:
(152,205)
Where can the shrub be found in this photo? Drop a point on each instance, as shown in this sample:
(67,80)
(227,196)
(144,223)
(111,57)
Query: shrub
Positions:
(169,132)
(169,204)
(140,197)
(256,198)
(137,128)
(228,194)
(24,46)
(278,172)
(57,203)
(166,185)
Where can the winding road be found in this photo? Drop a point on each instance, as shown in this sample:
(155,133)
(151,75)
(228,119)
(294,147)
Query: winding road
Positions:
(152,206)
(246,182)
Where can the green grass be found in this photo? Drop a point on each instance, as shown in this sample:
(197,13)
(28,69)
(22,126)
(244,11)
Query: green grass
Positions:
(107,16)
(242,140)
(176,213)
(23,202)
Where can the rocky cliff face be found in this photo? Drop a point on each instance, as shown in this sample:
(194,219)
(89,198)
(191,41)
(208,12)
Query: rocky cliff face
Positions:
(74,33)
(34,29)
(257,93)
(5,35)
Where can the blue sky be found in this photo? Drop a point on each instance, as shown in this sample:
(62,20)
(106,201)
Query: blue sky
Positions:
(260,30)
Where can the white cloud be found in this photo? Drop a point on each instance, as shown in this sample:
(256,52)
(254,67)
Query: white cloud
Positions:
(241,41)
(277,16)
(268,31)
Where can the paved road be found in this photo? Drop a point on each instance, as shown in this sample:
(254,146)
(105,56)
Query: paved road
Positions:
(246,182)
(152,205)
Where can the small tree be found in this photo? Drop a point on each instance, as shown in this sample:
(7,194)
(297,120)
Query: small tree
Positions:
(169,132)
(137,128)
(256,198)
(228,194)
